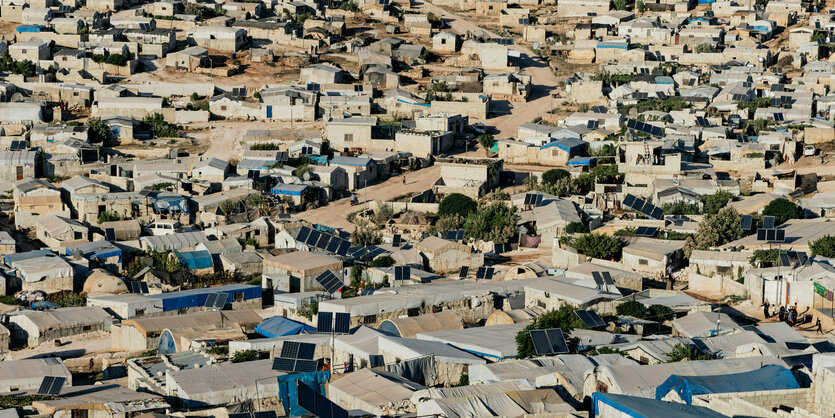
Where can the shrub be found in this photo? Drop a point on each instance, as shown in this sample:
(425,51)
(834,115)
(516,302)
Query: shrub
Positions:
(576,227)
(456,204)
(597,246)
(486,141)
(686,352)
(713,203)
(551,176)
(632,308)
(98,131)
(563,318)
(824,246)
(495,222)
(383,261)
(783,210)
(244,355)
(660,313)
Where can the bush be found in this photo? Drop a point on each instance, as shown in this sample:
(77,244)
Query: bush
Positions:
(382,261)
(495,222)
(660,313)
(263,146)
(576,227)
(550,177)
(716,230)
(632,308)
(486,141)
(680,207)
(713,203)
(244,355)
(363,235)
(563,318)
(606,173)
(824,246)
(113,59)
(782,210)
(597,246)
(384,212)
(194,96)
(686,352)
(98,131)
(456,204)
(764,257)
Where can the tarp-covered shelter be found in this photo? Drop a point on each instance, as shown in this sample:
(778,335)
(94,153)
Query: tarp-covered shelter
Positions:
(377,392)
(770,377)
(279,326)
(410,326)
(607,405)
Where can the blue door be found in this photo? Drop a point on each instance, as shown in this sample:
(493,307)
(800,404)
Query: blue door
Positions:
(269,112)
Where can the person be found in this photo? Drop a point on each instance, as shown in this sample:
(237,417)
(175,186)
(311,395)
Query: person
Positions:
(766,314)
(404,180)
(781,314)
(353,199)
(818,327)
(791,318)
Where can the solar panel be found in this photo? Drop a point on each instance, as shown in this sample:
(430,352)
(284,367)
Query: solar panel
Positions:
(780,235)
(590,318)
(313,238)
(629,200)
(110,234)
(747,220)
(143,288)
(450,235)
(640,231)
(324,322)
(530,198)
(216,300)
(598,109)
(51,385)
(323,241)
(598,279)
(402,273)
(329,282)
(343,323)
(607,278)
(593,124)
(630,123)
(661,95)
(479,274)
(538,202)
(768,222)
(464,270)
(333,245)
(295,349)
(284,364)
(459,235)
(770,234)
(656,131)
(802,258)
(761,234)
(304,232)
(784,260)
(549,341)
(343,248)
(778,117)
(134,287)
(639,204)
(395,240)
(264,414)
(657,213)
(317,404)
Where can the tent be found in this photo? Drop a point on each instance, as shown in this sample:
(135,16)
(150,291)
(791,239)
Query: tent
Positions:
(769,377)
(610,405)
(279,326)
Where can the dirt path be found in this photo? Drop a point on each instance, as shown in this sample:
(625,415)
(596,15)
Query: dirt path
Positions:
(336,212)
(223,138)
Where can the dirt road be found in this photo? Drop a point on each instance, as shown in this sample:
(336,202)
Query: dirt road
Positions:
(543,79)
(336,212)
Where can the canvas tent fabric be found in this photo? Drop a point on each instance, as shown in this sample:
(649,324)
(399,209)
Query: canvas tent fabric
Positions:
(410,326)
(195,260)
(36,269)
(174,241)
(770,377)
(495,343)
(375,391)
(420,370)
(279,326)
(634,406)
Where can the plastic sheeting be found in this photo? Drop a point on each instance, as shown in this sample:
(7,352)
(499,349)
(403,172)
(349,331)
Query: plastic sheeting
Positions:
(770,377)
(634,406)
(420,370)
(171,203)
(37,269)
(279,326)
(287,389)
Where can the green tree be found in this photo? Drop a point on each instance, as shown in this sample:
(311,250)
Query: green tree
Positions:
(713,203)
(640,6)
(660,313)
(244,355)
(607,173)
(366,235)
(680,207)
(632,308)
(486,141)
(584,183)
(715,230)
(764,258)
(563,318)
(382,261)
(551,176)
(495,222)
(562,187)
(597,246)
(704,48)
(194,96)
(783,210)
(576,227)
(456,204)
(607,150)
(620,4)
(448,223)
(824,246)
(686,352)
(98,132)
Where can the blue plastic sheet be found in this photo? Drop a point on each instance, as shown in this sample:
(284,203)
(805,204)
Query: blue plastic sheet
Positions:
(288,394)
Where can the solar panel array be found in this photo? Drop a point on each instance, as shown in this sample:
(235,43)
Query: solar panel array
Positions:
(502,248)
(323,241)
(640,205)
(138,287)
(216,300)
(747,221)
(329,282)
(549,341)
(771,235)
(701,121)
(367,253)
(51,385)
(533,199)
(645,231)
(779,117)
(644,127)
(294,365)
(317,404)
(593,124)
(794,259)
(679,220)
(590,318)
(402,273)
(598,109)
(455,235)
(602,279)
(324,322)
(484,273)
(297,350)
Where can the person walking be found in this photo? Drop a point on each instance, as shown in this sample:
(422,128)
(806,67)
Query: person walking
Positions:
(818,327)
(766,314)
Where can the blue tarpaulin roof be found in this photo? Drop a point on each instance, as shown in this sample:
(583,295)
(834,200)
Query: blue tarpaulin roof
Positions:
(28,28)
(770,377)
(197,297)
(566,144)
(11,258)
(279,326)
(98,250)
(290,189)
(195,260)
(634,406)
(582,161)
(172,203)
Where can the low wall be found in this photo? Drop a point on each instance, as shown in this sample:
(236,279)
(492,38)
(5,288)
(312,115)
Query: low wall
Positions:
(407,206)
(189,116)
(716,284)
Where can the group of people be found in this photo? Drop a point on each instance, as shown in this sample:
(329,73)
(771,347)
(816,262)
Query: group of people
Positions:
(790,316)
